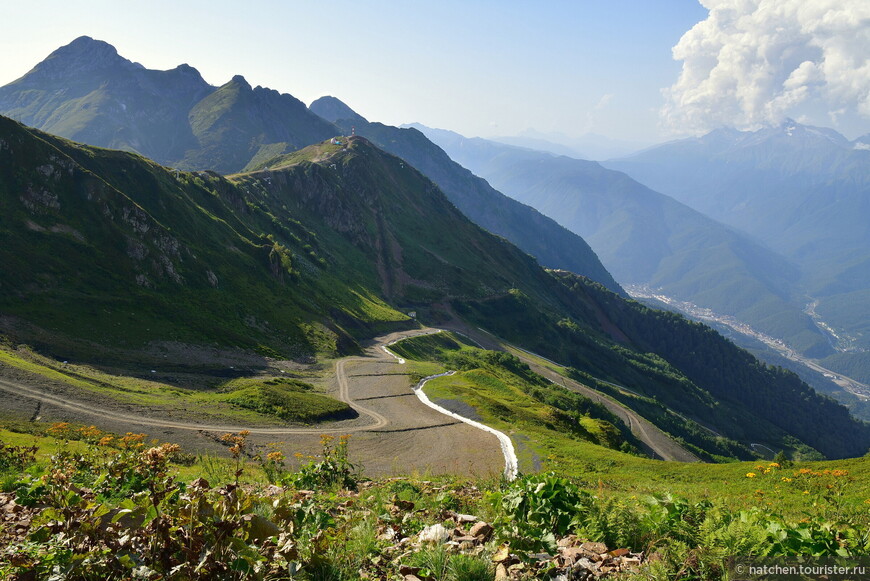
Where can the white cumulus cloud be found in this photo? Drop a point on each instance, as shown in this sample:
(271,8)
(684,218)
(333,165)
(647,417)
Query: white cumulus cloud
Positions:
(752,62)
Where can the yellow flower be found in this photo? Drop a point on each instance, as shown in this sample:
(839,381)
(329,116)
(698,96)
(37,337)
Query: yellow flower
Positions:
(750,474)
(785,479)
(806,491)
(774,465)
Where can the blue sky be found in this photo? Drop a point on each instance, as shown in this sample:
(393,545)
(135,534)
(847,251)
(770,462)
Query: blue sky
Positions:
(478,67)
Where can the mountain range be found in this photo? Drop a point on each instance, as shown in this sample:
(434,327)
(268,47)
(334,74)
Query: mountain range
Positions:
(87,92)
(804,192)
(107,255)
(649,239)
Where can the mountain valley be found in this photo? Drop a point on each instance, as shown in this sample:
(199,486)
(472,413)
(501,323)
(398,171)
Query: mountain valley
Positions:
(260,320)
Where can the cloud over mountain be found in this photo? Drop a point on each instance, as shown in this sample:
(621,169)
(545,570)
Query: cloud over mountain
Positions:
(753,62)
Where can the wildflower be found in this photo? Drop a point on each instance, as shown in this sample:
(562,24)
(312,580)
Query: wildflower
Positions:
(90,432)
(131,440)
(750,474)
(867,501)
(839,472)
(774,465)
(158,454)
(786,479)
(56,477)
(105,441)
(275,456)
(806,491)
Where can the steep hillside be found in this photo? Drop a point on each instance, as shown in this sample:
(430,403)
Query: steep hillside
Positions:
(104,253)
(87,92)
(238,124)
(646,238)
(543,238)
(103,249)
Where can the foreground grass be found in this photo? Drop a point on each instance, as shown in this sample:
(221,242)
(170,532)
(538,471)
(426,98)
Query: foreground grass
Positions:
(112,507)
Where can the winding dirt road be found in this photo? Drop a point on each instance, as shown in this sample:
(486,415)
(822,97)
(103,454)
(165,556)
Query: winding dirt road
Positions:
(394,432)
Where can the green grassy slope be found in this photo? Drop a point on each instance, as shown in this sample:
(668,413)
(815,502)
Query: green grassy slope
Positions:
(551,244)
(422,247)
(545,421)
(669,360)
(104,251)
(235,122)
(113,249)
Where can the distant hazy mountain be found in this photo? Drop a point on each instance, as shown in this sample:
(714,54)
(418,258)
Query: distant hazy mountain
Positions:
(587,146)
(804,191)
(86,91)
(644,237)
(553,245)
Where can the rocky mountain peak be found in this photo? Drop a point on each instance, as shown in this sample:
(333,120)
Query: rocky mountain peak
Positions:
(82,55)
(240,80)
(333,110)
